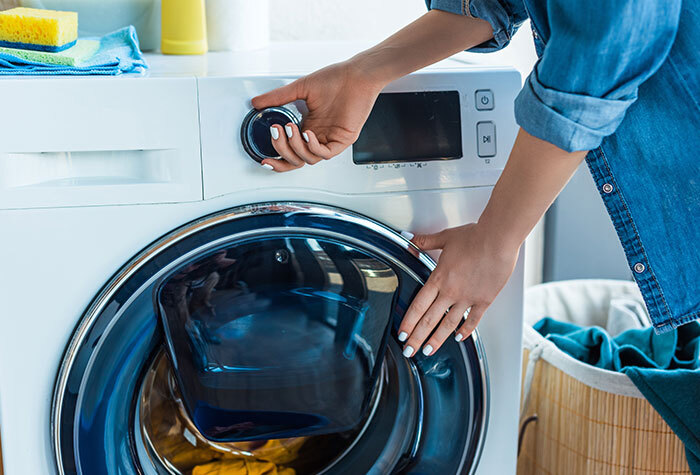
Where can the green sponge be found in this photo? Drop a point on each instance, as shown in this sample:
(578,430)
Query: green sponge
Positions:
(73,56)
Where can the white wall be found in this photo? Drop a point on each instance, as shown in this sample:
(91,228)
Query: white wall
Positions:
(371,21)
(333,20)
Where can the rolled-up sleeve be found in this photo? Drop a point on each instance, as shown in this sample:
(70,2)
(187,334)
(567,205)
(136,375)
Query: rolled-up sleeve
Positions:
(504,16)
(593,64)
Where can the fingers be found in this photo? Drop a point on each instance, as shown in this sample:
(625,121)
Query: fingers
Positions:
(281,143)
(430,319)
(278,165)
(475,314)
(449,323)
(421,303)
(325,151)
(292,147)
(299,144)
(430,242)
(277,97)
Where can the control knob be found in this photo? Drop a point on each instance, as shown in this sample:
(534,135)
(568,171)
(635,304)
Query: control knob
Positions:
(255,130)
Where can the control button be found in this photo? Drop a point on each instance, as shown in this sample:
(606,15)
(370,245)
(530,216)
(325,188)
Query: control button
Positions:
(255,131)
(486,139)
(484,100)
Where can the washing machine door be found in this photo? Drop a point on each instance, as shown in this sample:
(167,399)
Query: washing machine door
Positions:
(263,339)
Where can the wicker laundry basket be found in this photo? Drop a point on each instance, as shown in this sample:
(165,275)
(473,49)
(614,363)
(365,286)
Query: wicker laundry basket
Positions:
(578,419)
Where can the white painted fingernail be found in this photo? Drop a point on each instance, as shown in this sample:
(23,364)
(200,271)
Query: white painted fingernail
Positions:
(403,336)
(275,133)
(408,352)
(306,137)
(267,166)
(458,337)
(427,349)
(288,129)
(408,235)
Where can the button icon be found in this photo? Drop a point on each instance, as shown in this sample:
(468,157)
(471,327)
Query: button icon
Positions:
(484,99)
(486,139)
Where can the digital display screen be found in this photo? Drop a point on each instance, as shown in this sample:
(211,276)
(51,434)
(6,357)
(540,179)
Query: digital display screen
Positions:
(411,127)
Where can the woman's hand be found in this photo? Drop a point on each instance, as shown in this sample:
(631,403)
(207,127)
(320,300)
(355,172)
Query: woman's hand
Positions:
(477,259)
(471,271)
(339,98)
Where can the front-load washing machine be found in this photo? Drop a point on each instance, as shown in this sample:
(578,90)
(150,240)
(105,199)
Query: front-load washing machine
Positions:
(171,307)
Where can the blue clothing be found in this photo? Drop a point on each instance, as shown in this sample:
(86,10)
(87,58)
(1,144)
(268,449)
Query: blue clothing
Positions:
(665,368)
(118,53)
(621,79)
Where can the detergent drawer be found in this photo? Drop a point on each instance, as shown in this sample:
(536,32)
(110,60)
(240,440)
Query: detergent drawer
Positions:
(98,141)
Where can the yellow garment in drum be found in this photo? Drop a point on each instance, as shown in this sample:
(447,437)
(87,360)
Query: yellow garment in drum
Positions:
(176,440)
(252,460)
(241,467)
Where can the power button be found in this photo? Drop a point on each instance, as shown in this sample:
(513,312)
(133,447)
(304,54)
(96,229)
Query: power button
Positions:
(484,100)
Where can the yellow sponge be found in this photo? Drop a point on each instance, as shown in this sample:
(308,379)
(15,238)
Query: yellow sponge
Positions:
(43,30)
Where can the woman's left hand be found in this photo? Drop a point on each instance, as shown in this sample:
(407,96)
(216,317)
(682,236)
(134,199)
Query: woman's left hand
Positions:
(472,269)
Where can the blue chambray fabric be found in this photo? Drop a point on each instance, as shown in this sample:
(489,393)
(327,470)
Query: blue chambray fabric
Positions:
(622,79)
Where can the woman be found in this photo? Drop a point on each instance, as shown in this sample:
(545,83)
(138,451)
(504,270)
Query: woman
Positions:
(616,83)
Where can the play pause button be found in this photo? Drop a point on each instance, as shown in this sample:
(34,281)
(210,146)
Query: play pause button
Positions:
(486,139)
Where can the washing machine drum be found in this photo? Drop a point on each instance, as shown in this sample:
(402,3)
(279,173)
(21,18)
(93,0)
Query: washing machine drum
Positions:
(263,340)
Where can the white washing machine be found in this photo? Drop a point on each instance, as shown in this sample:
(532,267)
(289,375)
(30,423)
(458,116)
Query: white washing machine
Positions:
(169,306)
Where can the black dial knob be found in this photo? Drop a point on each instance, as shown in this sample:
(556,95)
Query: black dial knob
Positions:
(255,131)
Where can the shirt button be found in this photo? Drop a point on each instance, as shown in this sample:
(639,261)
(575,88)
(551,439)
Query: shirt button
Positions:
(639,267)
(607,188)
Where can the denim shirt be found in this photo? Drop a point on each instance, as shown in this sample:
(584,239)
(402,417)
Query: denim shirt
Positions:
(621,79)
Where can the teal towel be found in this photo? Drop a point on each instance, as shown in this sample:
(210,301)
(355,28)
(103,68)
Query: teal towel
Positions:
(665,368)
(118,53)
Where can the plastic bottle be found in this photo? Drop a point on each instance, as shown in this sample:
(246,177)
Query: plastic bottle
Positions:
(183,27)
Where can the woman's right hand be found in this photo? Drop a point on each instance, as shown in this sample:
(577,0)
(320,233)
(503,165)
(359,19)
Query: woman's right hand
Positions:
(339,98)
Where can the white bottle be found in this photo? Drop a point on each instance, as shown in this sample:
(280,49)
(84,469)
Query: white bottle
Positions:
(238,25)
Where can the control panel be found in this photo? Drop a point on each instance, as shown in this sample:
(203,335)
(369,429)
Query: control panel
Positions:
(428,130)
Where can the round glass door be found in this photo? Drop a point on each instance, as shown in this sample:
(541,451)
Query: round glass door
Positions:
(264,338)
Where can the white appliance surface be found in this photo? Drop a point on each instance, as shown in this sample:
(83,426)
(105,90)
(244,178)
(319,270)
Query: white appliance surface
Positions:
(92,170)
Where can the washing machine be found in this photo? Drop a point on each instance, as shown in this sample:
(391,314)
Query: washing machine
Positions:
(169,306)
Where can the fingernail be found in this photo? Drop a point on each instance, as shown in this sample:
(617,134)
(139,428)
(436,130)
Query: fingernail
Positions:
(408,235)
(275,133)
(403,336)
(306,137)
(408,352)
(427,349)
(458,337)
(288,129)
(267,166)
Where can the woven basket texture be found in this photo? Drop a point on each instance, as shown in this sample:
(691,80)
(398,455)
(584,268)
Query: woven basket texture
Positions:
(582,430)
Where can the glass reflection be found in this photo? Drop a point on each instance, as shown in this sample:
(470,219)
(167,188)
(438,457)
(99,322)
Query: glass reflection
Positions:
(278,337)
(179,447)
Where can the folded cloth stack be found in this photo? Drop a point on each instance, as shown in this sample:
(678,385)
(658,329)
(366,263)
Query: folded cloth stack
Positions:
(114,53)
(665,368)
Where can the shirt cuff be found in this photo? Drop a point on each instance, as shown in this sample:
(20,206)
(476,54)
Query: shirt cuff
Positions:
(452,6)
(504,22)
(571,121)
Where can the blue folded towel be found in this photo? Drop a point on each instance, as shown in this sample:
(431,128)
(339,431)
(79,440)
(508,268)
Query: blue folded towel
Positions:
(665,368)
(118,53)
